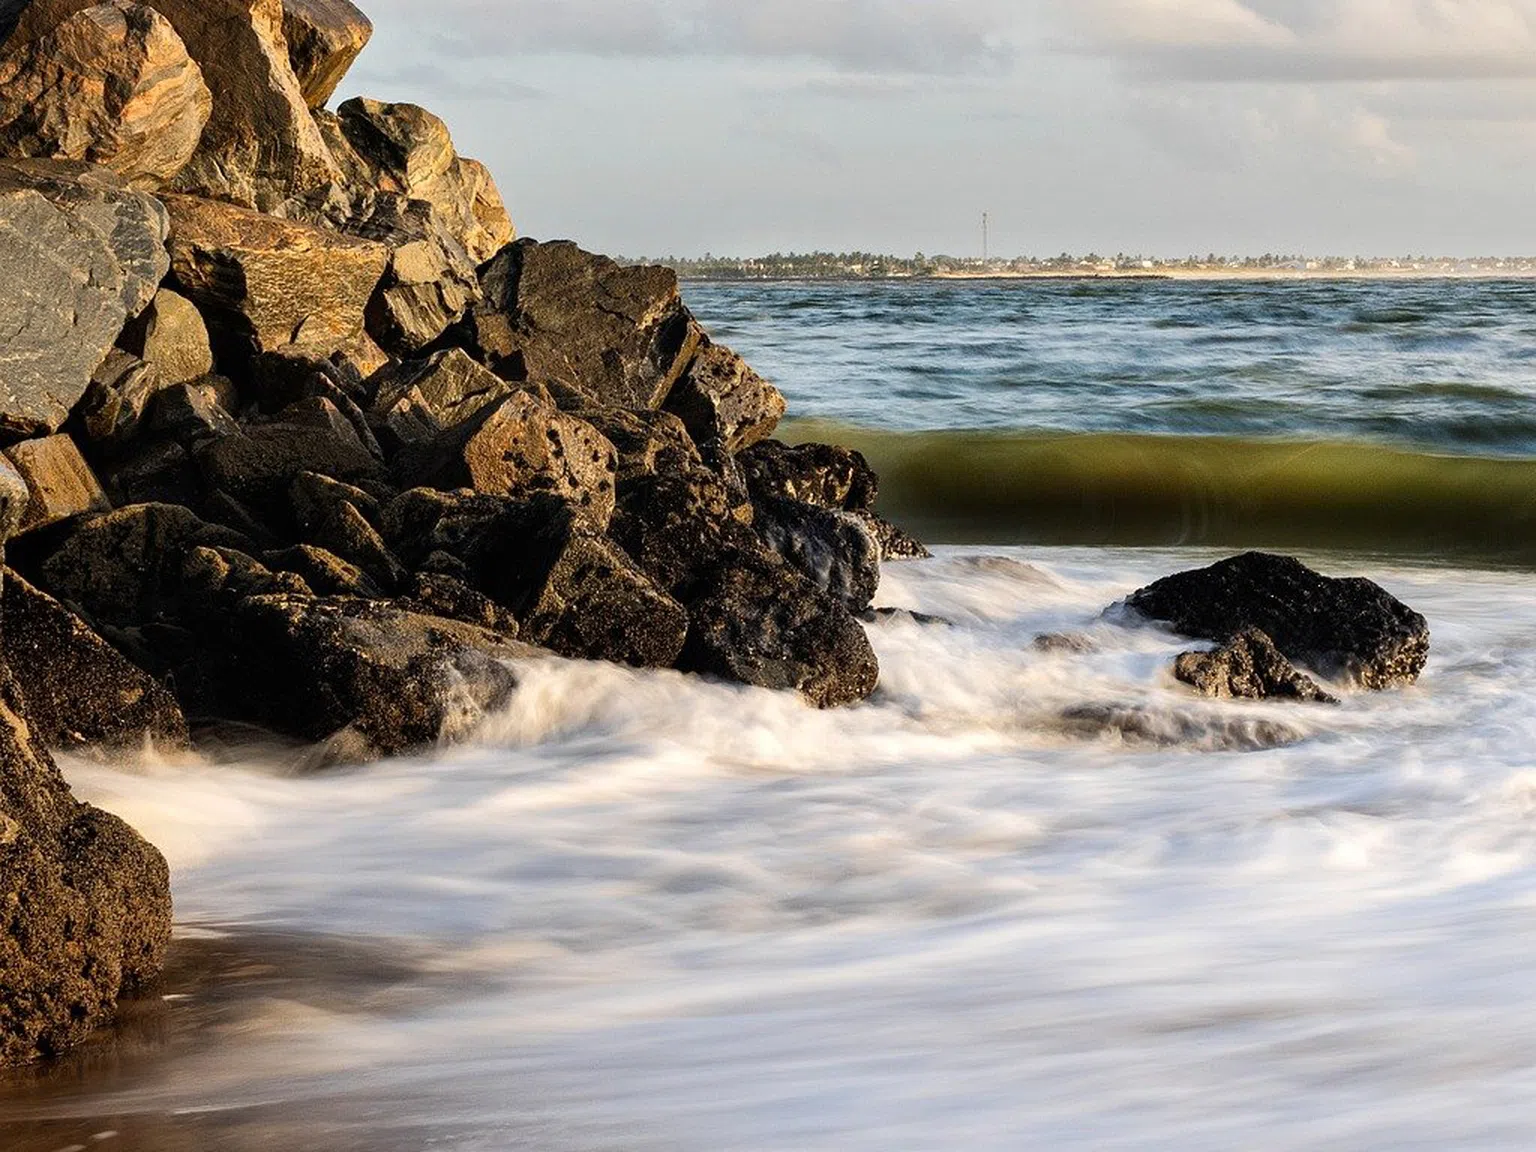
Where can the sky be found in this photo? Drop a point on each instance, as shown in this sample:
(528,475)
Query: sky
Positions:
(1156,127)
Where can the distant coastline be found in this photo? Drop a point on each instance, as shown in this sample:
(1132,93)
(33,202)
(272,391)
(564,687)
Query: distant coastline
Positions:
(858,266)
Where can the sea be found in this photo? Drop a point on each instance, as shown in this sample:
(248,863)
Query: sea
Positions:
(1025,897)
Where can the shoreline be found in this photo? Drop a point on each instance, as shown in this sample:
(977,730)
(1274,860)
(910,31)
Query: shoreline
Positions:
(1199,275)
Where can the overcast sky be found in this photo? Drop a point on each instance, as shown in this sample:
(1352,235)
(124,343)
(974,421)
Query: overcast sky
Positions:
(654,127)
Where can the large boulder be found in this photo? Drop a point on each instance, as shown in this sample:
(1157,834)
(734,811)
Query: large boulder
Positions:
(263,282)
(371,679)
(431,280)
(521,447)
(261,144)
(80,691)
(85,905)
(1343,629)
(80,255)
(552,311)
(324,38)
(111,84)
(59,481)
(1248,667)
(405,149)
(721,398)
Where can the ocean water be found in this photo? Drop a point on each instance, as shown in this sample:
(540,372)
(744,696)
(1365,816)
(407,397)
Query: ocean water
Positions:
(1021,899)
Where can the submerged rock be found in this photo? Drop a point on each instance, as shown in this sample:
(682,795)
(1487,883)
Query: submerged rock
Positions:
(1347,629)
(1248,667)
(1137,725)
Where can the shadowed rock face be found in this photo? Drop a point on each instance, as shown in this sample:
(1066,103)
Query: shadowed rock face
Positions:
(1346,629)
(324,38)
(1248,667)
(111,84)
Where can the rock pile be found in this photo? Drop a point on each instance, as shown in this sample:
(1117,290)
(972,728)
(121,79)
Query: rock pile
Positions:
(296,432)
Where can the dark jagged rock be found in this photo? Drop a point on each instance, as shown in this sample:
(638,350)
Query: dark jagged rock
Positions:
(330,514)
(124,568)
(721,398)
(647,442)
(1344,629)
(828,477)
(435,594)
(192,413)
(171,337)
(324,38)
(520,447)
(406,150)
(80,255)
(371,679)
(757,622)
(418,399)
(59,482)
(80,692)
(820,474)
(214,579)
(262,283)
(1248,667)
(111,84)
(431,280)
(833,549)
(258,466)
(155,471)
(552,311)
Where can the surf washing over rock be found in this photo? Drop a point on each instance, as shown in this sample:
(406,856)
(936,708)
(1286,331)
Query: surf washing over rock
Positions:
(297,434)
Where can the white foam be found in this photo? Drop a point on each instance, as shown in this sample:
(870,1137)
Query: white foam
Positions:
(685,915)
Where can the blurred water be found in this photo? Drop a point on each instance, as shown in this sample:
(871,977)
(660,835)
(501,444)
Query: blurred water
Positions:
(1444,364)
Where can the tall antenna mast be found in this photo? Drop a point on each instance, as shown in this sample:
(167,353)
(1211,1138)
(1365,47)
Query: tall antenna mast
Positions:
(986,237)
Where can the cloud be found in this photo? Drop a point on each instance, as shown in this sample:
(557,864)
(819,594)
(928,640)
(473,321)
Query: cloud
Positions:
(872,36)
(1310,41)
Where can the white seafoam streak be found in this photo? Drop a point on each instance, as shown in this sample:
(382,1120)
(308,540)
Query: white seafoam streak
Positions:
(646,912)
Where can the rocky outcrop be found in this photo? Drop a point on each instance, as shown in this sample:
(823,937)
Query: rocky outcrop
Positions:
(85,906)
(1248,667)
(835,550)
(553,312)
(417,400)
(324,38)
(264,283)
(80,691)
(80,255)
(60,484)
(1343,629)
(111,84)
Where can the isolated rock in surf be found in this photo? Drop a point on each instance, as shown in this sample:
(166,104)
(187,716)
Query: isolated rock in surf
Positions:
(112,84)
(1345,629)
(1248,667)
